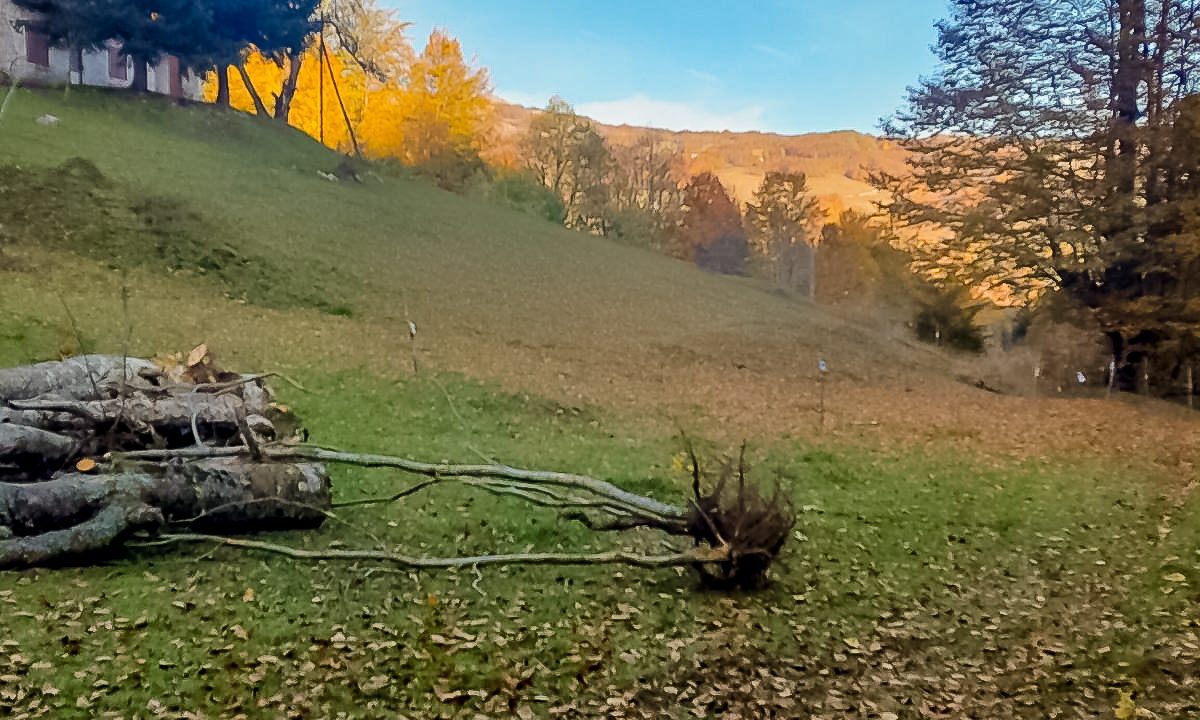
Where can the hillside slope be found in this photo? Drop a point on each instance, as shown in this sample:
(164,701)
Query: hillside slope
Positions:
(496,295)
(481,281)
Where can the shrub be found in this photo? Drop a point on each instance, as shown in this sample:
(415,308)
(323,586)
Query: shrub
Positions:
(522,192)
(946,316)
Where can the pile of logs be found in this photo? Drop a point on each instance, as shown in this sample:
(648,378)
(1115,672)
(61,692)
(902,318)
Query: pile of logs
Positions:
(59,421)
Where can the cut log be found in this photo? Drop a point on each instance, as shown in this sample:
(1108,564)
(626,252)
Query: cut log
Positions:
(76,514)
(28,453)
(56,415)
(216,417)
(86,377)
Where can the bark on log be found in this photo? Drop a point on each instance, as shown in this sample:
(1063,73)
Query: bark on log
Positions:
(30,450)
(55,414)
(76,514)
(86,377)
(172,418)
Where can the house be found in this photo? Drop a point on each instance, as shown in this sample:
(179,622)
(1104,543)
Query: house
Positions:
(27,55)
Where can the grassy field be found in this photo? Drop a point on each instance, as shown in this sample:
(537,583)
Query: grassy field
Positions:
(957,554)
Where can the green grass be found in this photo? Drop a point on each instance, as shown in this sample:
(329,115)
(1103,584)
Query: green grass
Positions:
(931,543)
(918,580)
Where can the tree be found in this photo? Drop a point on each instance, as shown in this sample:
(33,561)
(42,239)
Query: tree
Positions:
(567,155)
(446,106)
(1161,310)
(645,188)
(711,232)
(372,35)
(145,29)
(1041,147)
(362,49)
(861,266)
(785,227)
(282,31)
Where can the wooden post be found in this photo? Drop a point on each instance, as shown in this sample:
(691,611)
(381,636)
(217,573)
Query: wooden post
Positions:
(822,368)
(338,94)
(1191,388)
(321,86)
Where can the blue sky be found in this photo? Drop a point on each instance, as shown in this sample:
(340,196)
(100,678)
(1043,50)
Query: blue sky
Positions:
(787,66)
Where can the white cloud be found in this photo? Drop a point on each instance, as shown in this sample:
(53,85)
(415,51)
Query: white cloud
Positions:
(528,99)
(646,112)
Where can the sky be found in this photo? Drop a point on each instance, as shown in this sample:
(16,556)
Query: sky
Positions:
(787,66)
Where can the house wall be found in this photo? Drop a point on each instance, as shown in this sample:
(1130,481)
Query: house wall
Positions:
(95,63)
(12,50)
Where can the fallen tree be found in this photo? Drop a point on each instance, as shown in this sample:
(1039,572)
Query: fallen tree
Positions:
(97,449)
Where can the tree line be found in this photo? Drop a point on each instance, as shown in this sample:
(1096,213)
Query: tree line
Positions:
(314,64)
(639,193)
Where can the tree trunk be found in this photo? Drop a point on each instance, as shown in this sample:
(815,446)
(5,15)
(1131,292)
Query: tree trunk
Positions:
(223,85)
(1131,70)
(74,514)
(283,101)
(812,273)
(259,107)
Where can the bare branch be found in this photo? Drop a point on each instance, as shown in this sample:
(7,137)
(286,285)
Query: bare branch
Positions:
(290,453)
(696,556)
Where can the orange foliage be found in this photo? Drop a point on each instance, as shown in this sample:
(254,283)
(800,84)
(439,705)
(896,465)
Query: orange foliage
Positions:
(447,103)
(306,113)
(439,104)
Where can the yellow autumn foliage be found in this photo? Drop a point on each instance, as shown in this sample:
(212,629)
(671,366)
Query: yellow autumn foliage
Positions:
(314,82)
(440,103)
(447,103)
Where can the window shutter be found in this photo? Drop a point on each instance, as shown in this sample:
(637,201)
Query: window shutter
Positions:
(118,69)
(37,47)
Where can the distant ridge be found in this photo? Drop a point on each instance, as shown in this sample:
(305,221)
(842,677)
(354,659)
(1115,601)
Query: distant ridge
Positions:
(837,163)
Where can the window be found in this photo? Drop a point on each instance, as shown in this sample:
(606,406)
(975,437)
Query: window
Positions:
(37,47)
(118,69)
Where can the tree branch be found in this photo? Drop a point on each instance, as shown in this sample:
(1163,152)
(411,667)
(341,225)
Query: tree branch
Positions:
(628,501)
(695,556)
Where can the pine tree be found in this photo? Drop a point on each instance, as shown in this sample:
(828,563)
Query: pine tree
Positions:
(785,230)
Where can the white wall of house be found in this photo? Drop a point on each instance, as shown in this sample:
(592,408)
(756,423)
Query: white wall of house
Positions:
(103,68)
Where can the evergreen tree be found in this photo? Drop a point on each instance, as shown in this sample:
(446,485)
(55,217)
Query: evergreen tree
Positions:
(785,229)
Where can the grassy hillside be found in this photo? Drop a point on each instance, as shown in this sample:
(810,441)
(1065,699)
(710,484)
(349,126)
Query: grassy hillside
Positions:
(958,553)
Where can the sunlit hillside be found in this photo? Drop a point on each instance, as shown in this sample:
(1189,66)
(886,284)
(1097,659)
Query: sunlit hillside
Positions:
(838,164)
